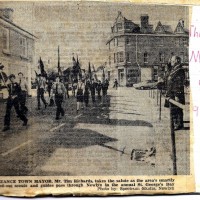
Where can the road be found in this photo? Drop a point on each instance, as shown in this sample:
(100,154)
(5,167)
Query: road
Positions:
(97,141)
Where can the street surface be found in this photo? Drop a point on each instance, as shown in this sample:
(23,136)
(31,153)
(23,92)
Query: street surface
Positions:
(96,141)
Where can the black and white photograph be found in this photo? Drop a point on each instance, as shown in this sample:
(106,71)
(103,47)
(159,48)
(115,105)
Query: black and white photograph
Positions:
(94,89)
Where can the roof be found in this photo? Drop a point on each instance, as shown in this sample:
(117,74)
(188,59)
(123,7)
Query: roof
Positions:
(13,24)
(165,28)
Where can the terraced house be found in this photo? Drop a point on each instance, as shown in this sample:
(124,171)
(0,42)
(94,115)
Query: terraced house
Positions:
(16,46)
(138,52)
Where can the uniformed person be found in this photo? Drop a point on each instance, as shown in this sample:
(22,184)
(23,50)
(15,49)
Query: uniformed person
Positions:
(59,92)
(92,90)
(99,88)
(175,90)
(41,86)
(24,93)
(14,91)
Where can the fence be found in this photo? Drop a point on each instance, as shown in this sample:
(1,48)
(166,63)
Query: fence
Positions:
(159,94)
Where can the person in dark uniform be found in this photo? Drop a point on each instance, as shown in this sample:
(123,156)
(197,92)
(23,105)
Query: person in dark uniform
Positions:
(86,93)
(115,84)
(59,91)
(175,90)
(106,86)
(14,91)
(99,88)
(67,89)
(79,95)
(93,89)
(24,93)
(41,86)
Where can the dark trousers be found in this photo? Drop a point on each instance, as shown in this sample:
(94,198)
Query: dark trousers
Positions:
(86,98)
(40,95)
(177,115)
(22,102)
(93,96)
(99,94)
(58,101)
(10,103)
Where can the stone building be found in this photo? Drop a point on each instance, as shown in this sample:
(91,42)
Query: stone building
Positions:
(140,52)
(16,46)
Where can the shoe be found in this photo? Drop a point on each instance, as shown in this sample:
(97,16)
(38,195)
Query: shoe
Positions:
(6,128)
(25,122)
(57,118)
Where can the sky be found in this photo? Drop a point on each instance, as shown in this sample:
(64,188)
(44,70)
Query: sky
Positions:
(82,28)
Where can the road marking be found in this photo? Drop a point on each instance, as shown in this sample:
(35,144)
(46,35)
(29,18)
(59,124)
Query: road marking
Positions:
(16,148)
(57,127)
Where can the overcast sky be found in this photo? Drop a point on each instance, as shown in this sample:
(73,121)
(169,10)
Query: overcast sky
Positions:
(83,28)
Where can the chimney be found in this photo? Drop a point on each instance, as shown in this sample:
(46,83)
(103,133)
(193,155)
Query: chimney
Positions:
(144,21)
(7,13)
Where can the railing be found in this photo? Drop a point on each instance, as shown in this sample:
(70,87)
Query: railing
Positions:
(159,95)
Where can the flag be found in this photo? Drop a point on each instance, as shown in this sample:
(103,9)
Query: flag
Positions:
(59,69)
(89,72)
(41,65)
(78,68)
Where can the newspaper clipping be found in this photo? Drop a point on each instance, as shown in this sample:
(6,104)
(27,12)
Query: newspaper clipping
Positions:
(95,99)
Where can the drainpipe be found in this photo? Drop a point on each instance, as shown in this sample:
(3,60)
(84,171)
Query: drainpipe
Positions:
(136,49)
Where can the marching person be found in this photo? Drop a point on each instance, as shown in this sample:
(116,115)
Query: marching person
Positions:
(24,93)
(59,91)
(14,91)
(92,89)
(115,84)
(175,90)
(86,93)
(79,95)
(41,86)
(99,88)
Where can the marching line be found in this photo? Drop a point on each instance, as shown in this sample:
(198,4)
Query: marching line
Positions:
(16,148)
(57,127)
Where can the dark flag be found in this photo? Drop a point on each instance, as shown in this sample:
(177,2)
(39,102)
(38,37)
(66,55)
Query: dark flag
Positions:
(41,65)
(79,68)
(89,72)
(59,69)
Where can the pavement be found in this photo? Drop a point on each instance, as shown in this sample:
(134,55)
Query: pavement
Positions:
(99,140)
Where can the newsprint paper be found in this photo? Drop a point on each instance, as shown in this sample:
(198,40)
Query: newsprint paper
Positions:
(95,98)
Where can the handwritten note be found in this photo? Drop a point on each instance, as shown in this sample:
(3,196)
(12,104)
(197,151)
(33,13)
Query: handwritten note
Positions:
(194,65)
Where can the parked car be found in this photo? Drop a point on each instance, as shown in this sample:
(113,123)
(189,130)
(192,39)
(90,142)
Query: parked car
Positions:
(146,85)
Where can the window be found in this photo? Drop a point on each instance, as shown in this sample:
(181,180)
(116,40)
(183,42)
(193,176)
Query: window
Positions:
(120,56)
(114,58)
(127,40)
(6,40)
(161,41)
(119,26)
(179,30)
(177,42)
(145,57)
(127,57)
(185,41)
(162,57)
(23,46)
(109,60)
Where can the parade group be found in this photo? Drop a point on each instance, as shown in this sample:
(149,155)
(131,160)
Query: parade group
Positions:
(58,90)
